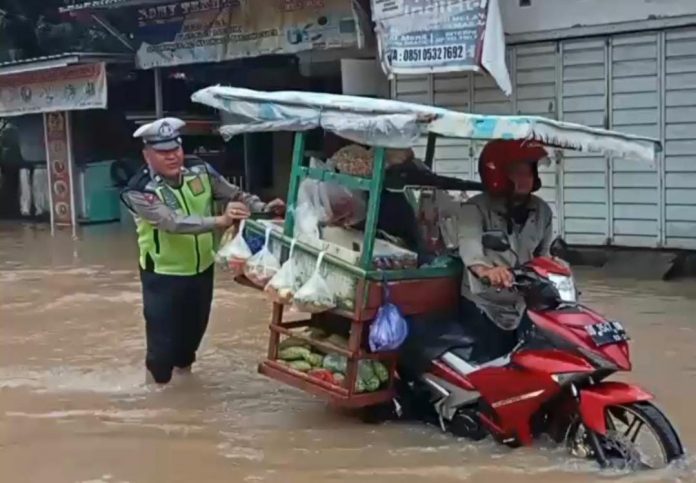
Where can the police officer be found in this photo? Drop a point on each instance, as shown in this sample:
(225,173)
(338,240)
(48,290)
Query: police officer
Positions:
(172,201)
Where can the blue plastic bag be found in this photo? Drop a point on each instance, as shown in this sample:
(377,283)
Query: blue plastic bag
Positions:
(389,330)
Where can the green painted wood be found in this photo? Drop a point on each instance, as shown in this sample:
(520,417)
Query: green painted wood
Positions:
(350,182)
(259,229)
(376,184)
(295,179)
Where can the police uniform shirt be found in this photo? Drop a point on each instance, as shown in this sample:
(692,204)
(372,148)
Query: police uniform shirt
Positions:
(163,134)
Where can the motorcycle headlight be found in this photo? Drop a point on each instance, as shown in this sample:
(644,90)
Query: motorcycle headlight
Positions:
(565,286)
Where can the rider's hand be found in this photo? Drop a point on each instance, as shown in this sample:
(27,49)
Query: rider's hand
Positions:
(499,277)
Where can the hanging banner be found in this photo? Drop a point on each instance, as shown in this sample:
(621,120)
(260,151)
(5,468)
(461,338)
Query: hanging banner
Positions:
(180,33)
(435,36)
(71,88)
(60,172)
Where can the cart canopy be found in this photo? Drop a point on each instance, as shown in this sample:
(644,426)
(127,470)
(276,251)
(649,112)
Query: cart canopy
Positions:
(396,124)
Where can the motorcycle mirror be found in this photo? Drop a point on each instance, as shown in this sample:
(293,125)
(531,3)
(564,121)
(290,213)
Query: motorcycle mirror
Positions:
(496,241)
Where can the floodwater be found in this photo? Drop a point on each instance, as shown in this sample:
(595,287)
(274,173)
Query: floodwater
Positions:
(74,407)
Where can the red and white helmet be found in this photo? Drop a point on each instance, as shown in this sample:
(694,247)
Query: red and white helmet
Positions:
(499,154)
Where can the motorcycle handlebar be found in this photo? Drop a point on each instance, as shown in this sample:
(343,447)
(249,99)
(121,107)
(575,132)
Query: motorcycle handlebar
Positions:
(517,273)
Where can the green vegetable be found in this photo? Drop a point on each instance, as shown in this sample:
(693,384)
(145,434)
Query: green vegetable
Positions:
(365,370)
(369,385)
(360,386)
(292,342)
(315,360)
(302,366)
(338,340)
(294,353)
(317,333)
(339,378)
(381,371)
(335,363)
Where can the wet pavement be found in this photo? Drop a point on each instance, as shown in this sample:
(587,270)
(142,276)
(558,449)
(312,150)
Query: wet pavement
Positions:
(74,406)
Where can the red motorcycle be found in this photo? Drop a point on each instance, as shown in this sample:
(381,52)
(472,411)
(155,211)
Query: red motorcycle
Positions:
(554,381)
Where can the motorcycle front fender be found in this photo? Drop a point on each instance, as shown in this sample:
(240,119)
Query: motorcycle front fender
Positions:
(595,399)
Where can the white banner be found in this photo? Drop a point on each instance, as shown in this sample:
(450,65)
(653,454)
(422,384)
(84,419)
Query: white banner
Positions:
(69,88)
(435,36)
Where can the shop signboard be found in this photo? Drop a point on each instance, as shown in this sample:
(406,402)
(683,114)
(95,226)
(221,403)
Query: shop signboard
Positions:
(60,168)
(437,36)
(179,33)
(70,88)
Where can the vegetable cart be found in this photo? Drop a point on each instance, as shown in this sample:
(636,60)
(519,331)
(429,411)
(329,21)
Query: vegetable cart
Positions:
(359,284)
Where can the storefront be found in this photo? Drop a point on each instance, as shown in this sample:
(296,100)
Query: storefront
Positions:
(186,46)
(57,160)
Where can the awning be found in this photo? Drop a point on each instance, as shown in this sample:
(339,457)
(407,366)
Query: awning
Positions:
(60,60)
(64,82)
(397,124)
(76,5)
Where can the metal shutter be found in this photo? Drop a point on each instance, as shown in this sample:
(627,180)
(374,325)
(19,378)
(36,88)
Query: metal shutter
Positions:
(535,92)
(413,89)
(634,108)
(584,178)
(680,139)
(453,156)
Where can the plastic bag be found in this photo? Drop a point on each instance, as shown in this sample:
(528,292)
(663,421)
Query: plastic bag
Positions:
(235,253)
(281,287)
(262,267)
(326,203)
(315,296)
(389,330)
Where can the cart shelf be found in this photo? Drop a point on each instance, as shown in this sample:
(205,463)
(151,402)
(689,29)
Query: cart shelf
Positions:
(337,395)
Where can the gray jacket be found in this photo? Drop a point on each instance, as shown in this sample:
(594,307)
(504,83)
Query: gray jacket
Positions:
(483,213)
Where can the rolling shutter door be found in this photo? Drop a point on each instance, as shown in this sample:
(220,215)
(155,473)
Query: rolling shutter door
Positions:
(534,73)
(635,109)
(680,139)
(584,101)
(453,156)
(413,89)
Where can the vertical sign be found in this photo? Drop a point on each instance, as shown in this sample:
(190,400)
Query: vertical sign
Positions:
(60,169)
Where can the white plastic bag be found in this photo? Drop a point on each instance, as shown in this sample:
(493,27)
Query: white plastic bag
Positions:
(281,287)
(263,265)
(315,296)
(329,204)
(235,254)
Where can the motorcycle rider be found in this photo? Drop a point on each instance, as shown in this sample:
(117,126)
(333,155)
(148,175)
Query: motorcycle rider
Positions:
(509,174)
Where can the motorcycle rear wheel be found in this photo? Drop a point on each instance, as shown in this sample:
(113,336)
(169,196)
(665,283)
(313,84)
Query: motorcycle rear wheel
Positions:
(619,448)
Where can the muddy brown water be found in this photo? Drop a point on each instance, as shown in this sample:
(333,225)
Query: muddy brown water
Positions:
(74,407)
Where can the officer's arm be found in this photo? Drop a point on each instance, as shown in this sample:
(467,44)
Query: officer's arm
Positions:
(224,190)
(151,209)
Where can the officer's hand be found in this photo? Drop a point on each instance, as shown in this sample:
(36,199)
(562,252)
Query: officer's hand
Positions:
(237,211)
(277,207)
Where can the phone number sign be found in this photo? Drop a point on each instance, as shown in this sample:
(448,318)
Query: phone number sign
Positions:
(443,40)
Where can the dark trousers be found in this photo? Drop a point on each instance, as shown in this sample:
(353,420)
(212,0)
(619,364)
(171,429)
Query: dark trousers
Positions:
(176,310)
(491,341)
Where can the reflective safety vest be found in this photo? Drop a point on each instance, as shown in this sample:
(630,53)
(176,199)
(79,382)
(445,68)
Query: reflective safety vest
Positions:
(172,253)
